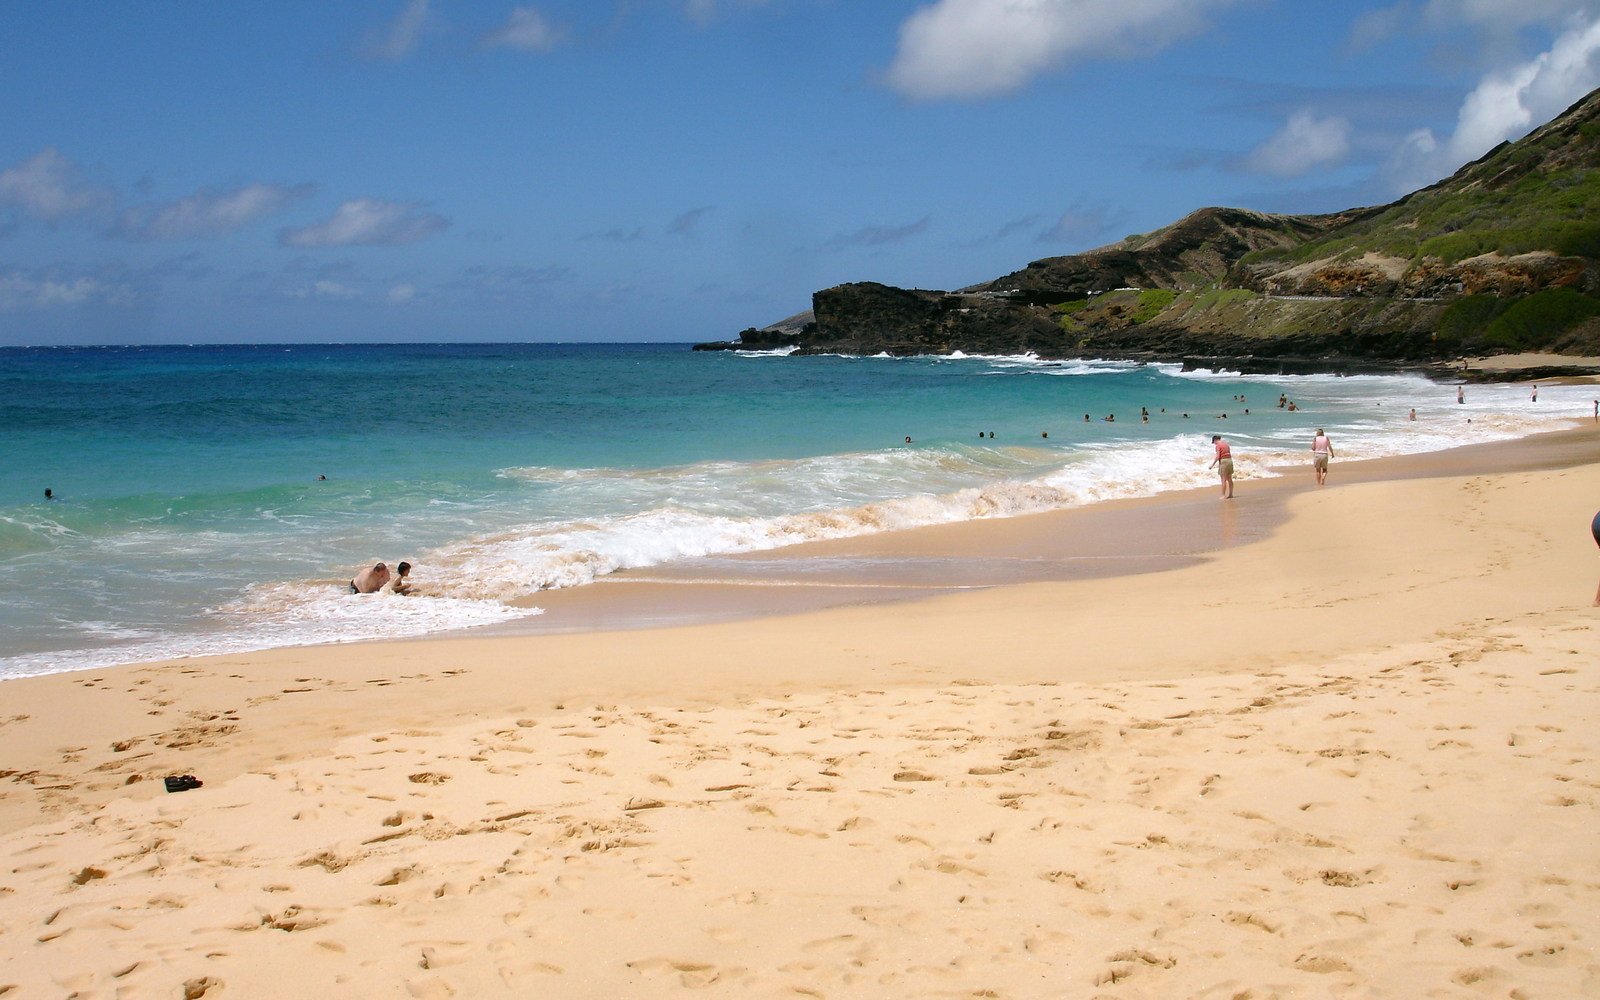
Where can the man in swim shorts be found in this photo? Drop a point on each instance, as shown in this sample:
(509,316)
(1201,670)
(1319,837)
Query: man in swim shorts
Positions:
(1223,464)
(370,581)
(1321,451)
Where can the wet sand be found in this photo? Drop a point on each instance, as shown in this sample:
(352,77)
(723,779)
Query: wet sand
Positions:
(1115,538)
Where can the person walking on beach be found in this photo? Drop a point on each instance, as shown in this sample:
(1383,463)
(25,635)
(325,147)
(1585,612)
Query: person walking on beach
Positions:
(1224,465)
(1321,451)
(1594,529)
(1461,395)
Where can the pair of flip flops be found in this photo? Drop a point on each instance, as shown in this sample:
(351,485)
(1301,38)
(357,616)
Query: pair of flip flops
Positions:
(182,782)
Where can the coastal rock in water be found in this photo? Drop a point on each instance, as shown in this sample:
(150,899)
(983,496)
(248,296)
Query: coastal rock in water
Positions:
(868,318)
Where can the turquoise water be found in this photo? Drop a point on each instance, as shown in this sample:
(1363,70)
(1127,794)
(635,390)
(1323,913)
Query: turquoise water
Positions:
(189,516)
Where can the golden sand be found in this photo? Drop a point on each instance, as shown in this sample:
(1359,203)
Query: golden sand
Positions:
(1354,757)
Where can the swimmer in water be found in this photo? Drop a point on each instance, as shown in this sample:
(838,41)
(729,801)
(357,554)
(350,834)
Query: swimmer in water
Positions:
(400,582)
(370,581)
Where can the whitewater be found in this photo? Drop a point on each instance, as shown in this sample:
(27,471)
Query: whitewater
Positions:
(217,499)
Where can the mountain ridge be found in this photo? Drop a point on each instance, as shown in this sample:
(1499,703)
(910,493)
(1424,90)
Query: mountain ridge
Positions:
(1503,255)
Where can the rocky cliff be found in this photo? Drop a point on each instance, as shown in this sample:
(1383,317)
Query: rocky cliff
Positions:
(1503,255)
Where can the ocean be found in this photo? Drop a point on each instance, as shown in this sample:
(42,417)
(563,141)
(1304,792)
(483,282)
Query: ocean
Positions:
(190,517)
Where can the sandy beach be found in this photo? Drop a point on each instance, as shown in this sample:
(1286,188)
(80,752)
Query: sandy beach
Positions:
(1317,743)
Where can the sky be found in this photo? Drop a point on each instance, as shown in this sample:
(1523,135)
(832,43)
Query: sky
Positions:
(677,170)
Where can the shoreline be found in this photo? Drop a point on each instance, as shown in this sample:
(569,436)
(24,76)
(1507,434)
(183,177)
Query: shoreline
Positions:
(1111,538)
(653,596)
(1103,539)
(1511,368)
(1356,750)
(1208,532)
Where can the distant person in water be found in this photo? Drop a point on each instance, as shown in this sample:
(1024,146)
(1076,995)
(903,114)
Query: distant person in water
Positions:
(1223,463)
(1535,397)
(1085,418)
(1461,395)
(322,479)
(49,494)
(1283,400)
(1321,451)
(1110,418)
(370,581)
(400,582)
(1413,414)
(908,439)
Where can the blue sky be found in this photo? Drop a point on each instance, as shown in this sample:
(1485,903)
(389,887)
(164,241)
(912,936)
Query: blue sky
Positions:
(625,170)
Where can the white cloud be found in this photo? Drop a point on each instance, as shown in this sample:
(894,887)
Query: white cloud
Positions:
(1504,105)
(51,187)
(1504,14)
(618,235)
(399,37)
(1304,142)
(703,12)
(686,223)
(981,48)
(207,212)
(325,290)
(526,29)
(877,236)
(512,282)
(1084,224)
(367,222)
(1496,22)
(401,294)
(53,288)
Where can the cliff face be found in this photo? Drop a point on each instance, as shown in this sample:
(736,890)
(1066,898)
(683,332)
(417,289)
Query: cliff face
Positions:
(1199,249)
(1502,255)
(866,317)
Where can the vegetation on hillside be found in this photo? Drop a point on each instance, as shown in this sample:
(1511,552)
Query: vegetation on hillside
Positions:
(1537,212)
(1540,193)
(1542,321)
